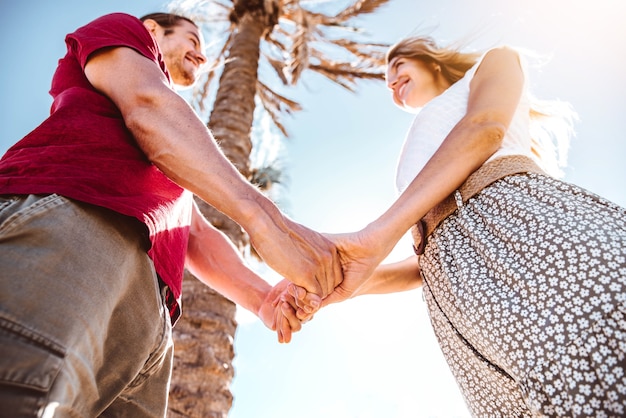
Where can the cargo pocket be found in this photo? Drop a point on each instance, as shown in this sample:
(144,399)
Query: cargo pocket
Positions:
(29,365)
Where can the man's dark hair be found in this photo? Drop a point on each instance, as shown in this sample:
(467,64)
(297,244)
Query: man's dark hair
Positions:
(167,20)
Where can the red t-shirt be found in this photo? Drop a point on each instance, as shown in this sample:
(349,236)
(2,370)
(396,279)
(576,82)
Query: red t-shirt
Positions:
(84,151)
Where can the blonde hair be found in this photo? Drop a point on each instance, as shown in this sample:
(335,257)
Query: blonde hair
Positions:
(551,121)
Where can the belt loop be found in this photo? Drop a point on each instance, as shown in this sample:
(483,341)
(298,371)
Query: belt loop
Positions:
(458,199)
(419,237)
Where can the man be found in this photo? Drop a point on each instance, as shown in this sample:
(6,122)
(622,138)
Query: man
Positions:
(97,223)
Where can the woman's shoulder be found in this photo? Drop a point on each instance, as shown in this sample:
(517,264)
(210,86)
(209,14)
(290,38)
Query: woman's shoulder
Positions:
(498,58)
(498,55)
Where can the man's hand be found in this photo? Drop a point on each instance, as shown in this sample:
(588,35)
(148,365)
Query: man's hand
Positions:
(306,257)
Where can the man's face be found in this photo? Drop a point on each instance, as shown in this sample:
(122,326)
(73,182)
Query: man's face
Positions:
(182,51)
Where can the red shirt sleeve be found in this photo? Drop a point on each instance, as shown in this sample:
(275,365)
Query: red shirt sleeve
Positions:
(116,29)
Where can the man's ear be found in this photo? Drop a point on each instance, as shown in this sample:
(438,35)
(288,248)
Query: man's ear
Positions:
(152,26)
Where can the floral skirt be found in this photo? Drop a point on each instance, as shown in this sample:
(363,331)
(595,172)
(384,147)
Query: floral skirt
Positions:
(526,290)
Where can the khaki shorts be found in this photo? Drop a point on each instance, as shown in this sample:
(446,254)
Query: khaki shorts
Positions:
(83,328)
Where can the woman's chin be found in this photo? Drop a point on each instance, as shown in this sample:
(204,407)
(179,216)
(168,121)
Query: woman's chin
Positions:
(411,109)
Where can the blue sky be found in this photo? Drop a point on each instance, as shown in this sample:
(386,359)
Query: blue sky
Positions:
(373,357)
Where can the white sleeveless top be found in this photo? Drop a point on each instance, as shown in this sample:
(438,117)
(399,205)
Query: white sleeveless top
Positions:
(437,118)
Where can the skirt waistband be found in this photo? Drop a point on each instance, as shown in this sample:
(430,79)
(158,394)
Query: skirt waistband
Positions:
(487,174)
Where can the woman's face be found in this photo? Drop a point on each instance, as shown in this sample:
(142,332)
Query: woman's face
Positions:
(413,82)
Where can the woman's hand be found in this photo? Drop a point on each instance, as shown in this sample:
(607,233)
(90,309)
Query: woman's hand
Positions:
(279,308)
(360,279)
(358,260)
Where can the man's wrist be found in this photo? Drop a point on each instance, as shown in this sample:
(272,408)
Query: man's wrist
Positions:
(260,217)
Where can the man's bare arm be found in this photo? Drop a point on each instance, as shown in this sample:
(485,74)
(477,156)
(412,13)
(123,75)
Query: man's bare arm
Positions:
(179,144)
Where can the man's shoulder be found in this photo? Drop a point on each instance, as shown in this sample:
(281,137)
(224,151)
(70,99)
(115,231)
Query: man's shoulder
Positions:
(113,19)
(111,30)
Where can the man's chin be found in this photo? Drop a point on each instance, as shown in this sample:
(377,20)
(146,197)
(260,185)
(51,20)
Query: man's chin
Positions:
(183,82)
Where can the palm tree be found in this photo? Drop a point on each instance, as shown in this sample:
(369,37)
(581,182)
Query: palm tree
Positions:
(291,39)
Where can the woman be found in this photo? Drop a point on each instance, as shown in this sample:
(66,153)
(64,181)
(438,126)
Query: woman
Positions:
(524,275)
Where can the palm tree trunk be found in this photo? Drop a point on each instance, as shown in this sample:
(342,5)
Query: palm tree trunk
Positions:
(204,336)
(233,111)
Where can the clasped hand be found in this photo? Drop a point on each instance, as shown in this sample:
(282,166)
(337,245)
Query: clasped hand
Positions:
(279,310)
(290,305)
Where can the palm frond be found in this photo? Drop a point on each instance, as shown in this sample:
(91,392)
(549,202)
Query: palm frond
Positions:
(299,51)
(265,177)
(201,91)
(371,52)
(359,7)
(276,105)
(279,68)
(302,41)
(345,74)
(299,57)
(272,39)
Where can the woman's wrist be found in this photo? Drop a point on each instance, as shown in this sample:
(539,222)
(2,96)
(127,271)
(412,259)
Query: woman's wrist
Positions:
(379,239)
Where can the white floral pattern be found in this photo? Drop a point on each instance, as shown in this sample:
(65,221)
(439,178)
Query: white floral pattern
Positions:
(526,290)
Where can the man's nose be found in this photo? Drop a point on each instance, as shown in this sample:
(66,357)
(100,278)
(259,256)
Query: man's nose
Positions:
(201,57)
